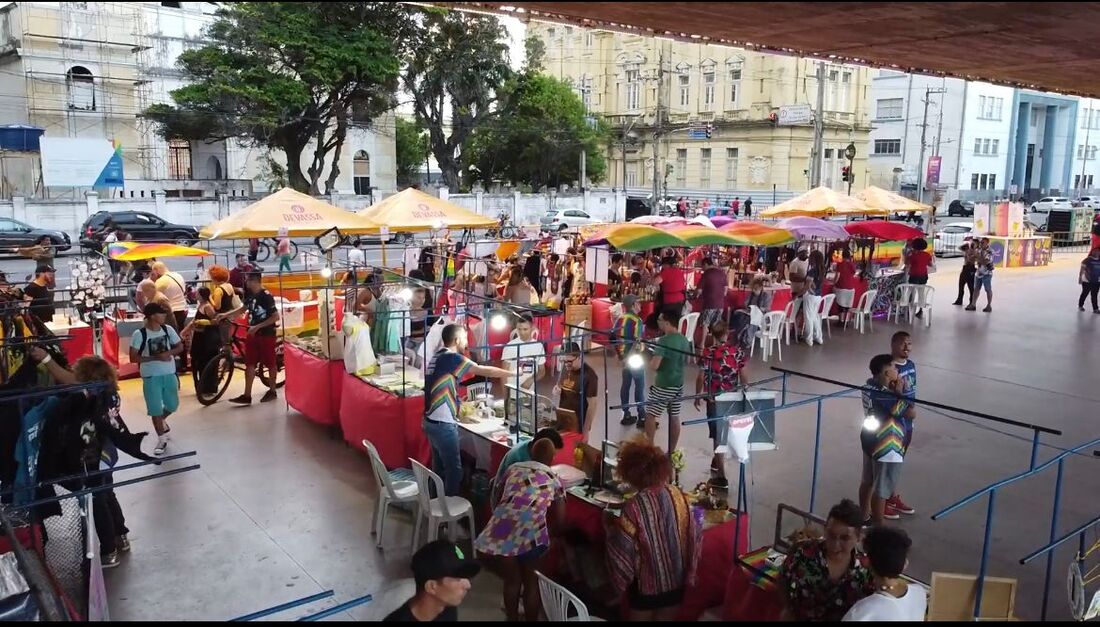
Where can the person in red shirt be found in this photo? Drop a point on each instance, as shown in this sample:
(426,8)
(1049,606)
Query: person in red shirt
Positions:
(918,264)
(673,285)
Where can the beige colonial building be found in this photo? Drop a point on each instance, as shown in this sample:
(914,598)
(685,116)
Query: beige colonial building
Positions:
(737,92)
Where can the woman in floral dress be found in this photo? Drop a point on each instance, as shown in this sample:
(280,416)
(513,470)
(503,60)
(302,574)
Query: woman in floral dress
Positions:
(518,533)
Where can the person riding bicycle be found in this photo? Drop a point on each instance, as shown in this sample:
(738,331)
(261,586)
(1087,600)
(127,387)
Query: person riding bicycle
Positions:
(259,347)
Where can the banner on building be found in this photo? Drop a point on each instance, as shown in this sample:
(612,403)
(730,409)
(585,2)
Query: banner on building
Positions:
(933,177)
(72,162)
(795,114)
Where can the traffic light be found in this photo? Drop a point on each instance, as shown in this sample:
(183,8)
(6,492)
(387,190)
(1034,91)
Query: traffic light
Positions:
(710,129)
(846,174)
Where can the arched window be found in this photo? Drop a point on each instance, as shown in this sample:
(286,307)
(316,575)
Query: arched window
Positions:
(214,168)
(81,86)
(361,173)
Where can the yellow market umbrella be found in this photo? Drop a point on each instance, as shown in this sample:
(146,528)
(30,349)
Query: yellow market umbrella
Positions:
(818,203)
(878,198)
(301,215)
(699,235)
(154,250)
(413,210)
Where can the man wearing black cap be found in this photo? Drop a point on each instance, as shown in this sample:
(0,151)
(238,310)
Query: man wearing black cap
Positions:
(40,293)
(442,575)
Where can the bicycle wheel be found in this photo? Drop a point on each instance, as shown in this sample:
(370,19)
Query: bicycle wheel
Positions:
(215,378)
(508,232)
(264,252)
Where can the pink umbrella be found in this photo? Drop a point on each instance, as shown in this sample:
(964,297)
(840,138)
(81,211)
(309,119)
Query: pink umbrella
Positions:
(720,221)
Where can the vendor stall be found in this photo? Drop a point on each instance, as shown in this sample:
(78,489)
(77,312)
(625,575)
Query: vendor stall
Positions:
(116,343)
(387,417)
(308,378)
(77,338)
(1012,245)
(821,202)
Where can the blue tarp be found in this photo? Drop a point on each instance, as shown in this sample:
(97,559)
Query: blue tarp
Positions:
(19,137)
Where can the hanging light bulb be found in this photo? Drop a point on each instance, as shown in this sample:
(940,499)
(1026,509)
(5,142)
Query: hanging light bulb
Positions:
(406,294)
(326,272)
(498,322)
(635,362)
(870,423)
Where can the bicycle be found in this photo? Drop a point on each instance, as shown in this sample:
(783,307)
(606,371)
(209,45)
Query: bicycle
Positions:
(266,250)
(503,230)
(219,371)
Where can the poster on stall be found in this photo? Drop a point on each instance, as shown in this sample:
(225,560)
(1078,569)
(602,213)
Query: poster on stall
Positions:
(1016,219)
(981,219)
(561,245)
(597,259)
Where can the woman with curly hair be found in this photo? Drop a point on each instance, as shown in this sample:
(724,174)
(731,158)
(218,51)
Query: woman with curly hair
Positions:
(653,547)
(223,298)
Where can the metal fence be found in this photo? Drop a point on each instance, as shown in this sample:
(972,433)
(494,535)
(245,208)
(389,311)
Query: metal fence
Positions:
(1072,242)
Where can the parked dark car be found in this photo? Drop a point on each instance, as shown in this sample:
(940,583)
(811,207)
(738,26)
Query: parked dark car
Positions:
(144,227)
(15,234)
(960,208)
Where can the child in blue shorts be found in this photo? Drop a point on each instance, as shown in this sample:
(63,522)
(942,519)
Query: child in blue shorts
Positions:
(154,347)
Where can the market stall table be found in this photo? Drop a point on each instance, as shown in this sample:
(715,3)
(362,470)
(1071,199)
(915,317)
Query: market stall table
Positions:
(77,340)
(116,344)
(313,384)
(749,596)
(392,423)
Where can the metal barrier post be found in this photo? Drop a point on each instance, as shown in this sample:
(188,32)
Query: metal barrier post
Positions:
(283,607)
(1053,534)
(783,398)
(1035,448)
(817,451)
(985,555)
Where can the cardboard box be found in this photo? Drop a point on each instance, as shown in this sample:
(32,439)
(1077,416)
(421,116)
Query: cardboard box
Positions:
(951,597)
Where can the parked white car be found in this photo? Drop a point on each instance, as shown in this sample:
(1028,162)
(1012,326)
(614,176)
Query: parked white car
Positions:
(1040,211)
(1092,202)
(950,239)
(561,219)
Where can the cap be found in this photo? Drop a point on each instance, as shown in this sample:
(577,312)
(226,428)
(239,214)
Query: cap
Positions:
(440,559)
(44,267)
(154,308)
(628,301)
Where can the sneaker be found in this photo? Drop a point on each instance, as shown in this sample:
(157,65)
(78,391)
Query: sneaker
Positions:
(957,303)
(868,522)
(109,560)
(970,308)
(268,396)
(243,399)
(1082,309)
(920,314)
(162,445)
(898,504)
(123,543)
(1096,311)
(988,309)
(889,513)
(628,420)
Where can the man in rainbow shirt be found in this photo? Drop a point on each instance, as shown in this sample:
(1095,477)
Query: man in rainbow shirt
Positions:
(447,368)
(883,438)
(627,336)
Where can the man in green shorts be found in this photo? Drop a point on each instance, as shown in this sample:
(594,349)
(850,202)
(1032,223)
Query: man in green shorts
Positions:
(154,347)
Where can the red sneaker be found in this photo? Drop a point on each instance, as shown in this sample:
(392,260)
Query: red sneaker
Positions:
(889,513)
(899,505)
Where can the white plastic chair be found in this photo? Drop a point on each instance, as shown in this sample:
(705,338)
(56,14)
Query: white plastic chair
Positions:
(398,486)
(687,327)
(863,311)
(771,331)
(902,299)
(921,297)
(440,510)
(557,601)
(824,312)
(790,315)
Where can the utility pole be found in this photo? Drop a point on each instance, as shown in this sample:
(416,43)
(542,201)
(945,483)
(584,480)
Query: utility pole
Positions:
(657,122)
(921,174)
(819,128)
(1084,155)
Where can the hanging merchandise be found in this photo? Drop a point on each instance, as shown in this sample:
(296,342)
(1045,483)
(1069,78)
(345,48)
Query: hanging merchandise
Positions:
(88,287)
(359,358)
(433,340)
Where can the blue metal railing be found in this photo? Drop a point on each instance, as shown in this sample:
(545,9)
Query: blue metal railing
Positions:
(991,490)
(282,607)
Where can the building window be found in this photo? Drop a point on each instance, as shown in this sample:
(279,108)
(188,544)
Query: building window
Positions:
(170,5)
(81,87)
(633,89)
(681,166)
(989,108)
(890,109)
(179,159)
(586,92)
(984,179)
(985,147)
(973,181)
(588,39)
(977,145)
(845,86)
(685,90)
(708,91)
(632,177)
(361,173)
(996,147)
(704,167)
(214,168)
(735,83)
(887,147)
(992,181)
(731,168)
(1034,117)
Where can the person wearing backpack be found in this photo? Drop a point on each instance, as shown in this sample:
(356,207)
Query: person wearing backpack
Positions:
(154,347)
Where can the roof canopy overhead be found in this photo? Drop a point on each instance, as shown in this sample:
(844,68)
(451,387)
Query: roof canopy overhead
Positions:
(1037,45)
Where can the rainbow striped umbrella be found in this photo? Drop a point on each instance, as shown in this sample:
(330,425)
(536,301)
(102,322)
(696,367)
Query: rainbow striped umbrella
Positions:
(136,251)
(759,234)
(699,235)
(633,238)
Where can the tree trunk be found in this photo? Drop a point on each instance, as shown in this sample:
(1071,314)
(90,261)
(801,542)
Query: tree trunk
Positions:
(340,134)
(294,175)
(317,165)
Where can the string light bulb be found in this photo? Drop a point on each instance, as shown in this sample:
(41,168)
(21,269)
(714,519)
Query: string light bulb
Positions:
(635,362)
(870,423)
(326,272)
(498,322)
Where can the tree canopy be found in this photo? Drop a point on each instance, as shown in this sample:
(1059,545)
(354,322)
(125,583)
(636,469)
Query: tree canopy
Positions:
(285,74)
(412,149)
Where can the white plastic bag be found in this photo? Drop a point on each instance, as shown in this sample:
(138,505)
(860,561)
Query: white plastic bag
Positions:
(359,358)
(740,426)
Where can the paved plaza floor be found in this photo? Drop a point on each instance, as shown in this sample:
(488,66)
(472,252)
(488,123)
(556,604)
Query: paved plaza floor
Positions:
(281,509)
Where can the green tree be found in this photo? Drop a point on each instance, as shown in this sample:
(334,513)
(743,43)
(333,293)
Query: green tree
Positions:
(412,149)
(539,136)
(284,75)
(456,65)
